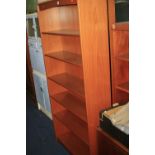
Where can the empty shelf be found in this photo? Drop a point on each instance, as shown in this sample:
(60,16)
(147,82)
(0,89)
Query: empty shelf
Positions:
(73,84)
(74,105)
(68,57)
(74,144)
(63,32)
(77,126)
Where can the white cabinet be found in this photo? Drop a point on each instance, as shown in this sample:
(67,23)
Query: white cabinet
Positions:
(46,96)
(38,82)
(41,89)
(37,60)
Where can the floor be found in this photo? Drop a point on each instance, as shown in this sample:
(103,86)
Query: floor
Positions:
(40,137)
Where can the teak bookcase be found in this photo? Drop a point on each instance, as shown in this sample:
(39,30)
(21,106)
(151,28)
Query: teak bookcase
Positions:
(76,53)
(119,49)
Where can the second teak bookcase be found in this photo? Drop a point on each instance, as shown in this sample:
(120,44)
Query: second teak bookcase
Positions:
(76,53)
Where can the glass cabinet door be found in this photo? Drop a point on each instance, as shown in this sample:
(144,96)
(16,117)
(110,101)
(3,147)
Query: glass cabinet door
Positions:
(37,27)
(122,10)
(30,27)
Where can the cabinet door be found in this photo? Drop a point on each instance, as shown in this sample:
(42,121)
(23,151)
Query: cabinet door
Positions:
(32,42)
(30,27)
(33,58)
(37,60)
(39,89)
(46,96)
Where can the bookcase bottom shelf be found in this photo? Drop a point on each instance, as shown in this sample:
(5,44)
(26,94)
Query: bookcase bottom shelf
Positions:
(78,127)
(74,144)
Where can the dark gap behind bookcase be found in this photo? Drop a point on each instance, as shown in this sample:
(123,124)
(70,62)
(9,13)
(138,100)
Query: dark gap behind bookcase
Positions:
(122,10)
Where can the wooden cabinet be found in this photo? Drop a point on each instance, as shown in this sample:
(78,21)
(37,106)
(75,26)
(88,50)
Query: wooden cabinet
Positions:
(107,145)
(76,53)
(119,49)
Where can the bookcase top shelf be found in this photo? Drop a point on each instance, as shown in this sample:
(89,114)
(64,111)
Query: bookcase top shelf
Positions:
(66,32)
(67,57)
(56,3)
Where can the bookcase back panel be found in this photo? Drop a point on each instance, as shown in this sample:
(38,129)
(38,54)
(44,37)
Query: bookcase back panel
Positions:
(54,88)
(57,107)
(120,42)
(75,71)
(121,72)
(120,65)
(58,18)
(121,97)
(54,67)
(58,43)
(52,43)
(60,129)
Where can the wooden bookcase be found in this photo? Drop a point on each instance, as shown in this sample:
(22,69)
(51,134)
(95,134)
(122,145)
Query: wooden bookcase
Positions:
(107,145)
(76,53)
(119,49)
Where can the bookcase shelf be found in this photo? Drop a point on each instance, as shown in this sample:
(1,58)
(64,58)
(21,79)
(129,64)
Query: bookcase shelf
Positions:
(71,103)
(124,57)
(76,54)
(119,45)
(74,144)
(73,84)
(66,32)
(66,56)
(56,3)
(77,126)
(124,87)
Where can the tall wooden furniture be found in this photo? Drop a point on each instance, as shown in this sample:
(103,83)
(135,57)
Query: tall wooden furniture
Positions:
(37,61)
(119,49)
(119,54)
(76,53)
(107,145)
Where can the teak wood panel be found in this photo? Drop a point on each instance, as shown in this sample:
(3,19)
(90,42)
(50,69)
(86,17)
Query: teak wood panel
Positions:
(119,47)
(72,103)
(120,69)
(74,144)
(54,67)
(66,57)
(78,127)
(73,84)
(95,56)
(59,18)
(107,145)
(56,3)
(70,121)
(57,43)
